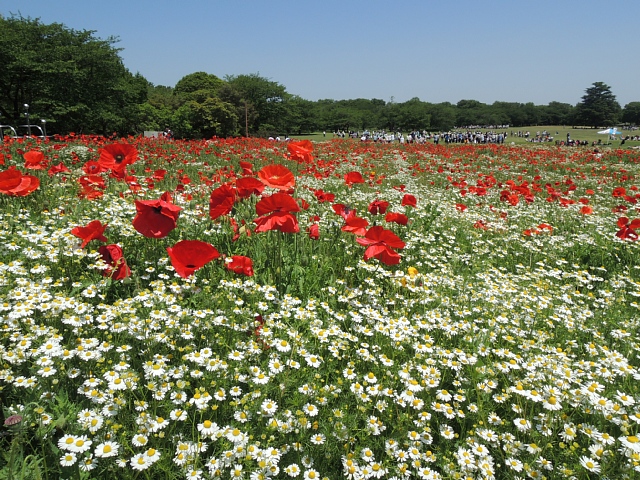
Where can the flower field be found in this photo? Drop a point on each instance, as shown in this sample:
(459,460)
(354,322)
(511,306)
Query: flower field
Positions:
(248,309)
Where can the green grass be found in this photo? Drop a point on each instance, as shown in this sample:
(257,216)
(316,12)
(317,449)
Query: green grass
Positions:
(559,132)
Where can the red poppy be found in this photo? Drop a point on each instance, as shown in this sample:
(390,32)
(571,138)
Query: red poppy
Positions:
(301,151)
(93,168)
(277,176)
(187,256)
(323,196)
(155,218)
(14,183)
(378,207)
(628,229)
(113,256)
(277,213)
(314,232)
(399,218)
(353,177)
(117,156)
(586,210)
(1,159)
(221,201)
(59,168)
(159,174)
(247,168)
(34,160)
(240,265)
(345,211)
(94,230)
(249,185)
(356,225)
(92,181)
(619,192)
(380,244)
(304,205)
(409,201)
(461,207)
(481,225)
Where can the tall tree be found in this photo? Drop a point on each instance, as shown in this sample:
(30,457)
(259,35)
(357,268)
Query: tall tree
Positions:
(598,107)
(631,113)
(69,77)
(266,97)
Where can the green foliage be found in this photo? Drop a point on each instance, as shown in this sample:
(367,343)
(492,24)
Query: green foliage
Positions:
(72,79)
(631,113)
(599,107)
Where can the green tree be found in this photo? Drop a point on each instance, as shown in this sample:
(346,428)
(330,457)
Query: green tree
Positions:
(197,82)
(75,81)
(631,113)
(443,116)
(557,113)
(266,97)
(598,107)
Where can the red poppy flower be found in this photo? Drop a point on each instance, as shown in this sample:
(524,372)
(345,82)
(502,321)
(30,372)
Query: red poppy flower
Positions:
(304,205)
(187,256)
(247,168)
(314,232)
(93,181)
(586,210)
(159,174)
(378,207)
(409,201)
(241,265)
(221,201)
(301,151)
(277,213)
(14,183)
(93,168)
(356,225)
(34,160)
(94,230)
(1,159)
(113,256)
(249,185)
(59,168)
(323,196)
(461,207)
(619,192)
(345,211)
(277,176)
(353,177)
(155,218)
(399,218)
(117,156)
(628,229)
(380,243)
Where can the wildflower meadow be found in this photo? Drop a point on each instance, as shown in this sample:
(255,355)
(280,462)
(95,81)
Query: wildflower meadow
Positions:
(246,309)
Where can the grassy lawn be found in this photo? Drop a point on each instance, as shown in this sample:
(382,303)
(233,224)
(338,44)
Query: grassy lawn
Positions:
(558,132)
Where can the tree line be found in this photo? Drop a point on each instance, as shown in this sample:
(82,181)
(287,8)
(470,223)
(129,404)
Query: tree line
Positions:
(77,82)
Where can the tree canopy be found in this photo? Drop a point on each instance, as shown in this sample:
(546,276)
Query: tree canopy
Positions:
(67,77)
(598,107)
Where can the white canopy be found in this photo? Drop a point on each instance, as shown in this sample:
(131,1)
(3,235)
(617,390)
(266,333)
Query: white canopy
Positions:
(610,131)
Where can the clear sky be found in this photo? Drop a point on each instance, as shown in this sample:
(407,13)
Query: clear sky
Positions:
(492,50)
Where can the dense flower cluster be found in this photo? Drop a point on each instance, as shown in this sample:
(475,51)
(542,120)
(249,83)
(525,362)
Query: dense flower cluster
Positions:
(415,311)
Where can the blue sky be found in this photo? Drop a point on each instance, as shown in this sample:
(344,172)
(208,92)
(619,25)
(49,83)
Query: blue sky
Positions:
(506,50)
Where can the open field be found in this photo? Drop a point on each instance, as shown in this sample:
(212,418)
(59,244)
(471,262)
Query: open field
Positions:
(248,309)
(559,132)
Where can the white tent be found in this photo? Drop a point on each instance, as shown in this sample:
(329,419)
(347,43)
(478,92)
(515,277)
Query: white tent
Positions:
(610,131)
